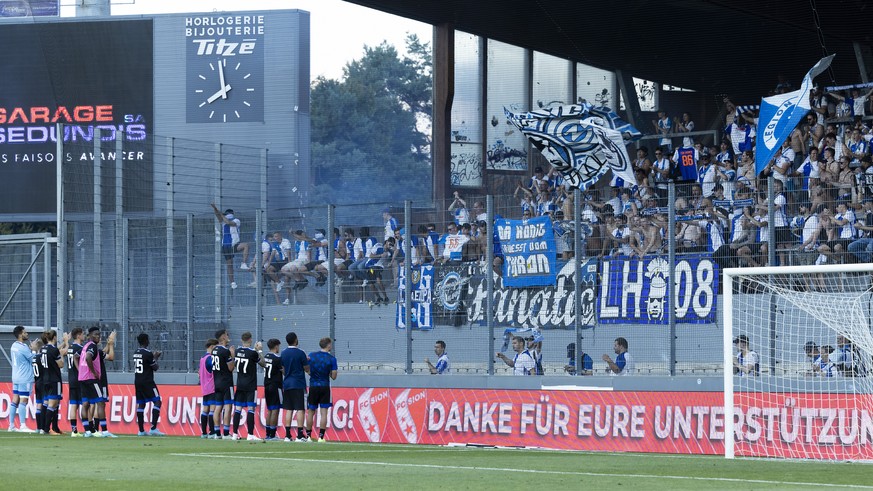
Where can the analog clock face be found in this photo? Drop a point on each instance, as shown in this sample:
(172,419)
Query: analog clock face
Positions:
(225,89)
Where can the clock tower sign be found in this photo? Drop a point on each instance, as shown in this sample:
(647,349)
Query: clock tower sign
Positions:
(225,69)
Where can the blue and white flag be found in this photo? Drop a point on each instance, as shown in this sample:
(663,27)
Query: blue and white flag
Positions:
(527,333)
(780,114)
(581,141)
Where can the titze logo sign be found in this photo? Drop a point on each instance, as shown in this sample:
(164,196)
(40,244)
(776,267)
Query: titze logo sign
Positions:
(225,68)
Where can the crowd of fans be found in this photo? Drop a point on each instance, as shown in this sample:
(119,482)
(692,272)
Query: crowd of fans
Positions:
(822,188)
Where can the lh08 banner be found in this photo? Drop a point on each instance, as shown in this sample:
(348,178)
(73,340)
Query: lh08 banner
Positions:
(635,291)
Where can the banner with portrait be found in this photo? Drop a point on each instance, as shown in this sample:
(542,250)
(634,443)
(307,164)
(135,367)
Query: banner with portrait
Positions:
(635,291)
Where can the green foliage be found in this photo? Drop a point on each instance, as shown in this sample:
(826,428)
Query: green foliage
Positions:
(27,228)
(371,129)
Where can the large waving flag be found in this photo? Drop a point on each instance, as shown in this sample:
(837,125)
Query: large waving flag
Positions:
(781,113)
(581,141)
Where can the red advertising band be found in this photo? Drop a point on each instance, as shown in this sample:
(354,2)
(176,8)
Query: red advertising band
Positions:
(618,421)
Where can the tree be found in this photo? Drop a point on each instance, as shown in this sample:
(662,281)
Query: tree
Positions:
(371,129)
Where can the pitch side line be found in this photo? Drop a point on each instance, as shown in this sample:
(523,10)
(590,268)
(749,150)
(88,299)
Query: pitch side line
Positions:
(535,471)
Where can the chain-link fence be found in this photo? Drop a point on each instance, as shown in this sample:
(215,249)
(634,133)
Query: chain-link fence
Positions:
(142,249)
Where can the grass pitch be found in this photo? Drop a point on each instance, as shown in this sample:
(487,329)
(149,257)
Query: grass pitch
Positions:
(156,463)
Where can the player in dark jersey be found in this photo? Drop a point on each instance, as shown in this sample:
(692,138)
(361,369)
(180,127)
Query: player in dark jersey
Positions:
(295,365)
(145,364)
(38,397)
(246,361)
(105,354)
(51,360)
(223,365)
(77,336)
(273,377)
(322,369)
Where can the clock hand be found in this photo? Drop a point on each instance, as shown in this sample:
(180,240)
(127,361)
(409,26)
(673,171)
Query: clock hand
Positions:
(221,79)
(221,93)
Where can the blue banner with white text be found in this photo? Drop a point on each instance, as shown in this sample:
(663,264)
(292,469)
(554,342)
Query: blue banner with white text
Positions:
(635,291)
(781,113)
(421,291)
(529,251)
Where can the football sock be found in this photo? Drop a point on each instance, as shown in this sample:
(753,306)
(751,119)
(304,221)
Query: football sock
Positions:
(102,425)
(236,418)
(13,411)
(156,416)
(55,417)
(49,418)
(288,432)
(299,432)
(140,418)
(74,425)
(250,423)
(22,413)
(320,433)
(204,423)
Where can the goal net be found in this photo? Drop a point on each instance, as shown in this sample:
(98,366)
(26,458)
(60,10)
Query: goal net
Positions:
(797,351)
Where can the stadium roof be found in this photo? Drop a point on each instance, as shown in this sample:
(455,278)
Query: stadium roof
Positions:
(734,47)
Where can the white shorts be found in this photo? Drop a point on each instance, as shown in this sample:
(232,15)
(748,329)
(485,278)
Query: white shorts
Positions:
(295,264)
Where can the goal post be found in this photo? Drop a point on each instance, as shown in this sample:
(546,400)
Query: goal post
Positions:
(798,362)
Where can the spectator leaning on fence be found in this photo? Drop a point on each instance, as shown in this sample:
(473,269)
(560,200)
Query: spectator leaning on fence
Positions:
(442,365)
(624,362)
(587,362)
(747,362)
(523,363)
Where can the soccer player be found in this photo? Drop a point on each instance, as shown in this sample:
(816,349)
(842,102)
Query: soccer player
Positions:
(38,388)
(51,360)
(145,364)
(207,389)
(107,354)
(296,366)
(77,337)
(322,369)
(223,365)
(91,370)
(246,361)
(22,379)
(272,364)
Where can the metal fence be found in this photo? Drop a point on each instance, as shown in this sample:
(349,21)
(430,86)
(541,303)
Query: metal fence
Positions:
(140,250)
